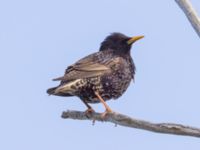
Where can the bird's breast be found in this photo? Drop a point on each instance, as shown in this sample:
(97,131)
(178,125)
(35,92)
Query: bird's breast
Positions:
(117,83)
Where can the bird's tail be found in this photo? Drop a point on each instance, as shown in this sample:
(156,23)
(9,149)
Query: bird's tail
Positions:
(52,91)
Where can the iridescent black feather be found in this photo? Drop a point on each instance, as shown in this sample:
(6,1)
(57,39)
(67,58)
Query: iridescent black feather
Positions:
(108,72)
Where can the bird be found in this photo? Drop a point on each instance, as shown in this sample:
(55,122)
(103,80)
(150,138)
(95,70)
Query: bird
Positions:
(100,76)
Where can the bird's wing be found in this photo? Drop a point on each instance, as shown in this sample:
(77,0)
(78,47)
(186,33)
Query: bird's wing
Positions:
(90,66)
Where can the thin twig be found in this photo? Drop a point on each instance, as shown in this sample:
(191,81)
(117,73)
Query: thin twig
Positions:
(123,120)
(191,14)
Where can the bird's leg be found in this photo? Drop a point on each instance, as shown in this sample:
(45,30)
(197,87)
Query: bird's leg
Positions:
(108,110)
(89,110)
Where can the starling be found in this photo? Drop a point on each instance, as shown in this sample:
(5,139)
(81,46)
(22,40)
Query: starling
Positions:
(100,76)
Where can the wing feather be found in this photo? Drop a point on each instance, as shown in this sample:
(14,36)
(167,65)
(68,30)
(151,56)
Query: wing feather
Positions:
(90,66)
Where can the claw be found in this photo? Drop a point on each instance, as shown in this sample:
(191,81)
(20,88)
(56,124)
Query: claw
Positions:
(104,114)
(89,112)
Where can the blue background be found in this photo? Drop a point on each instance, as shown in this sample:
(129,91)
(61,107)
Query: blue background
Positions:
(39,39)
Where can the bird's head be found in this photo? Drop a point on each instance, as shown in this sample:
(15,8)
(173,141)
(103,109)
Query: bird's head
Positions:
(118,42)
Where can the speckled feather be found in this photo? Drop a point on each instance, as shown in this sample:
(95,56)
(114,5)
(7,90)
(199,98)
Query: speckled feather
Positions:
(108,72)
(109,75)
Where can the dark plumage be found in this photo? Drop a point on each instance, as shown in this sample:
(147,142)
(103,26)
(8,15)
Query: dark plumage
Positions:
(101,76)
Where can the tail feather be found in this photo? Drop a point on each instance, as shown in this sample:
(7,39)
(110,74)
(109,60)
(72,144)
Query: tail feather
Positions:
(58,79)
(51,91)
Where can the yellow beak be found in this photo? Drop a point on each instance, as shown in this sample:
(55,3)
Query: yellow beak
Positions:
(133,39)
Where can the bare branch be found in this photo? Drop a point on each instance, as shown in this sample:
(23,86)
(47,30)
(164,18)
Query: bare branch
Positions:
(191,14)
(123,120)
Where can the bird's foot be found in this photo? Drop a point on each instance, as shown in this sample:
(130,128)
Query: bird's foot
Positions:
(89,112)
(104,114)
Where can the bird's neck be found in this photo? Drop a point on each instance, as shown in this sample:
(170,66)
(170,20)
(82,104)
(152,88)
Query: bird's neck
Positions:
(122,53)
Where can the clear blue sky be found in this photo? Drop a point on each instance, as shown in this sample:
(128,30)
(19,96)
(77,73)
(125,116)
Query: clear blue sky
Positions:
(39,39)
